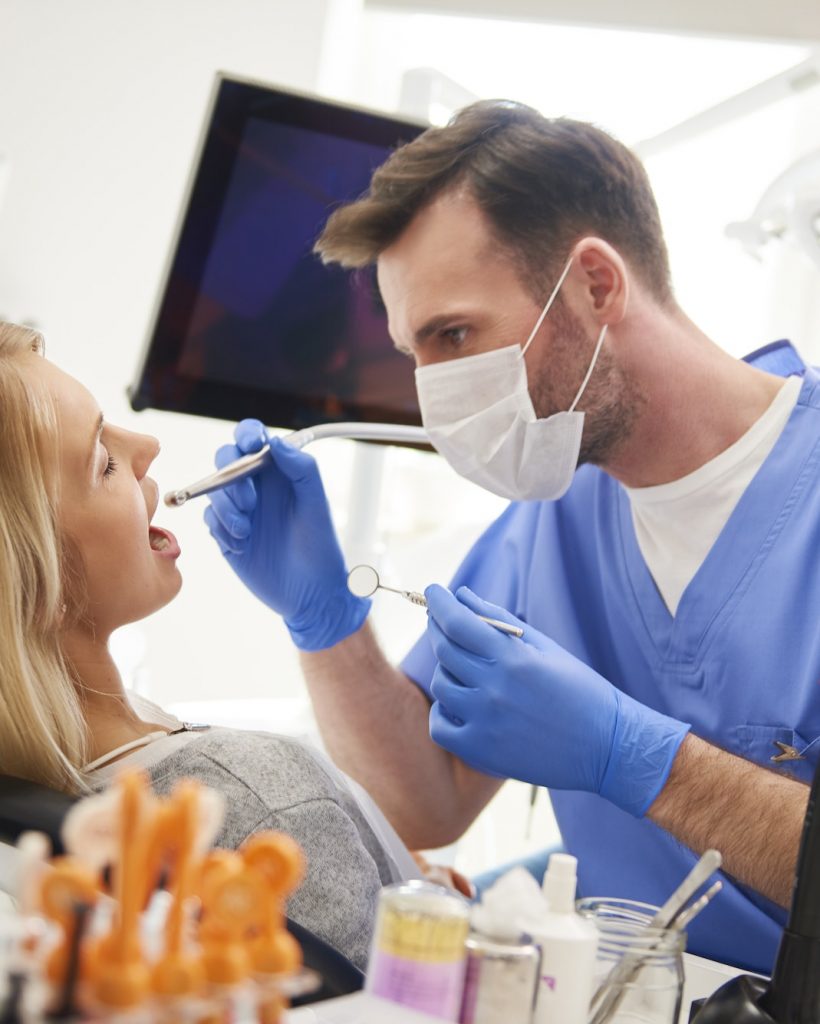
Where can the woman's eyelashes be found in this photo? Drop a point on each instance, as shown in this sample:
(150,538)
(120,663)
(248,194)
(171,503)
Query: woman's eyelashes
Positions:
(110,466)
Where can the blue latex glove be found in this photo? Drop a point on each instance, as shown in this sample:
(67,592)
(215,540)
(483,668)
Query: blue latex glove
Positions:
(277,535)
(527,709)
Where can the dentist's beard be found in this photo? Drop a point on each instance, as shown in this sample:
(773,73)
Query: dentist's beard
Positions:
(611,401)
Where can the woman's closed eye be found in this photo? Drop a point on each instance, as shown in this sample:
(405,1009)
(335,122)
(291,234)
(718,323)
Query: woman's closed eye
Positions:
(110,467)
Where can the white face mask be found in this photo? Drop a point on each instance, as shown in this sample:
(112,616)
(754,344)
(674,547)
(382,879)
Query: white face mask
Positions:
(478,414)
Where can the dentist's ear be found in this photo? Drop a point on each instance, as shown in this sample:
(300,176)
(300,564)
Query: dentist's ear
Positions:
(598,281)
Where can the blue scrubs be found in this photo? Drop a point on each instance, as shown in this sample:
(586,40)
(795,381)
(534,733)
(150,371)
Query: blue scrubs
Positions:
(740,660)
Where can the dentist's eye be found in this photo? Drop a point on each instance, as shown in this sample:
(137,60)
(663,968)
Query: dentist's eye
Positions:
(454,336)
(111,466)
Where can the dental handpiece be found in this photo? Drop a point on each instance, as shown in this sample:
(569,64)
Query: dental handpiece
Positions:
(253,463)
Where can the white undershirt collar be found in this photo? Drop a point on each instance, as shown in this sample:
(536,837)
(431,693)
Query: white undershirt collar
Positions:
(676,524)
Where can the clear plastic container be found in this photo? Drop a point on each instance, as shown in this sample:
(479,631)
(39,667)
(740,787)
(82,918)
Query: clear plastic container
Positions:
(642,965)
(418,956)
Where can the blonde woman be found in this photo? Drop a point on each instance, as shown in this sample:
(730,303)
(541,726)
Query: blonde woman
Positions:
(79,557)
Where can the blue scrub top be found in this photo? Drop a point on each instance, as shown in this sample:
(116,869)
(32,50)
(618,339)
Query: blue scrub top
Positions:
(740,660)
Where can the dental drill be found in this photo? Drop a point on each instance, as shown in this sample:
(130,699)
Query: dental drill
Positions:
(253,463)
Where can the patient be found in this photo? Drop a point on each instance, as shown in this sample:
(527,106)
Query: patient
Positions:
(80,557)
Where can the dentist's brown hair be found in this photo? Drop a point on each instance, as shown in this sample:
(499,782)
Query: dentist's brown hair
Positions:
(543,183)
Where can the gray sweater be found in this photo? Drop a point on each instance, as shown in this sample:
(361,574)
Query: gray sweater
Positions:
(274,782)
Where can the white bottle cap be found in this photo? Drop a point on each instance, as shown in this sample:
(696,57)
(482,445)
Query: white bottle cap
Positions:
(560,883)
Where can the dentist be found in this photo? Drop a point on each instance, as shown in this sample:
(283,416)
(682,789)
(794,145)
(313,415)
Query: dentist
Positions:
(660,549)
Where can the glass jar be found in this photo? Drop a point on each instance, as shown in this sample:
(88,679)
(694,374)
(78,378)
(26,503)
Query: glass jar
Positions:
(639,969)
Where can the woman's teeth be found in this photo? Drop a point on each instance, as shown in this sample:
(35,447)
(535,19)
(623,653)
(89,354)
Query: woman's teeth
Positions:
(163,542)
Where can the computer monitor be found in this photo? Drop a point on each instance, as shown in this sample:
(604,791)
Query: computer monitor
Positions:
(248,321)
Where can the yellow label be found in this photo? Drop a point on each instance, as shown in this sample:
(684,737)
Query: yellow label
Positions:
(421,937)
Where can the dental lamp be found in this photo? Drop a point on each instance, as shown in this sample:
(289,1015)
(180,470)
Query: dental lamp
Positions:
(789,209)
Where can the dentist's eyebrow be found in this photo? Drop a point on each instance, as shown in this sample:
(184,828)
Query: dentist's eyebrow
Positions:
(435,324)
(97,433)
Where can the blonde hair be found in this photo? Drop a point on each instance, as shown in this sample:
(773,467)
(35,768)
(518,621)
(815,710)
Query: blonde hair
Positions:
(43,735)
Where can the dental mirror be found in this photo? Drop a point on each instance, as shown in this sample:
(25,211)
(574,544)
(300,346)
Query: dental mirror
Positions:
(363,581)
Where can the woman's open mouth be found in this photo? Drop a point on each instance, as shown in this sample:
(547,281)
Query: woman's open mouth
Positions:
(163,542)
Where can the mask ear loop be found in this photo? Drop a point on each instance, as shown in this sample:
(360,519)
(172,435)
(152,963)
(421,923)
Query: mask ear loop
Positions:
(546,308)
(601,337)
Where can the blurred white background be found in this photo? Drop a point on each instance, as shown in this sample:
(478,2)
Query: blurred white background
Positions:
(101,103)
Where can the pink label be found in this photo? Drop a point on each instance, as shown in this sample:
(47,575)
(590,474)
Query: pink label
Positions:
(431,988)
(471,979)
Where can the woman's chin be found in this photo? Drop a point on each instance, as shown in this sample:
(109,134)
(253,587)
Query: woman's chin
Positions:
(177,586)
(171,588)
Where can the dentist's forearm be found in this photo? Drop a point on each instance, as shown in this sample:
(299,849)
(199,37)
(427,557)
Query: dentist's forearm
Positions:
(752,815)
(374,722)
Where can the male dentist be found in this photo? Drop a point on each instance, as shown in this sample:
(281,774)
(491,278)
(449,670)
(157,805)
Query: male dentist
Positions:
(667,687)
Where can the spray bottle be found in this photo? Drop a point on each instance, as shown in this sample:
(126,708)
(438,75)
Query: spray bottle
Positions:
(568,944)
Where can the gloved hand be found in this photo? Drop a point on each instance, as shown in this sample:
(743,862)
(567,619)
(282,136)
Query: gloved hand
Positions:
(276,533)
(527,709)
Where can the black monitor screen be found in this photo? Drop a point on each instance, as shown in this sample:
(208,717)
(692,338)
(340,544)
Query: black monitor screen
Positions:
(249,321)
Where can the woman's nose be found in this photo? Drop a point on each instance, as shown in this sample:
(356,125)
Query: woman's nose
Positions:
(147,449)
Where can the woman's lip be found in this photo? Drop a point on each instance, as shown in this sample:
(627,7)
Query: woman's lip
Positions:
(173,550)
